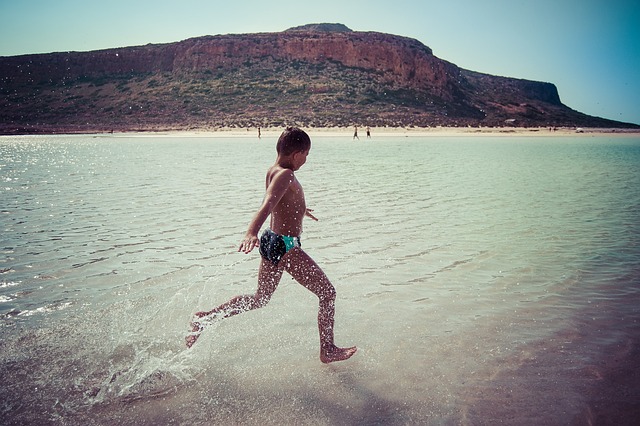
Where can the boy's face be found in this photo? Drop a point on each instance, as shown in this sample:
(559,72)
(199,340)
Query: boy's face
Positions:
(299,158)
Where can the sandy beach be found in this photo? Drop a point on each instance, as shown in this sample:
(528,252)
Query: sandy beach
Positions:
(379,132)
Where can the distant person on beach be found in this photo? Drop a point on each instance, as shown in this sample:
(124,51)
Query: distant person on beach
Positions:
(280,248)
(355,133)
(368,133)
(259,134)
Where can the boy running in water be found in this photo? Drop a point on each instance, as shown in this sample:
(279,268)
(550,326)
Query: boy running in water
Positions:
(280,248)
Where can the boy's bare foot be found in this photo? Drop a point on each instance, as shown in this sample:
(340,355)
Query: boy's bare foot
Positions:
(335,353)
(195,333)
(196,329)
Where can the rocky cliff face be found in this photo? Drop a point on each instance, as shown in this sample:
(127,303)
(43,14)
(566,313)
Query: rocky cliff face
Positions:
(322,75)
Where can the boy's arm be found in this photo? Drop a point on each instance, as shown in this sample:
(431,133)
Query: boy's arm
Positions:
(276,189)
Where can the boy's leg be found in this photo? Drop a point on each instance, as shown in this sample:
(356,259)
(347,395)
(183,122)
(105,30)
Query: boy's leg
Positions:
(305,270)
(268,278)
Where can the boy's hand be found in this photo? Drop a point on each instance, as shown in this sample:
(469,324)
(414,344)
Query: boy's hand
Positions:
(308,214)
(249,243)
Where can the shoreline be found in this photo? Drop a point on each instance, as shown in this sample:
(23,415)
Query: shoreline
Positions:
(348,132)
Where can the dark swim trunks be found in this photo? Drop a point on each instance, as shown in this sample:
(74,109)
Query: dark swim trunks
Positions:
(274,246)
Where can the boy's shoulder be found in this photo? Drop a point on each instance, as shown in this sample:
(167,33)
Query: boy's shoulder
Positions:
(277,172)
(277,169)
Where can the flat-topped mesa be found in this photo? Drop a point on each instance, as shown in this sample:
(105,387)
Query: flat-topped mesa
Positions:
(397,60)
(318,74)
(406,60)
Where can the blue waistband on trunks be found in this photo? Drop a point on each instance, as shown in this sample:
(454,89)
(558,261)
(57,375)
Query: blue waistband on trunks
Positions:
(290,242)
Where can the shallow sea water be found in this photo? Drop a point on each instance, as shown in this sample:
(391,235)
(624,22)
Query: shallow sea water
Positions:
(485,280)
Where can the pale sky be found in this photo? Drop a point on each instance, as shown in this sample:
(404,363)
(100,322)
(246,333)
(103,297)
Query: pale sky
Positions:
(590,49)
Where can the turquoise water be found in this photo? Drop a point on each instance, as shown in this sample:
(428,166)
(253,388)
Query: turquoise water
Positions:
(484,280)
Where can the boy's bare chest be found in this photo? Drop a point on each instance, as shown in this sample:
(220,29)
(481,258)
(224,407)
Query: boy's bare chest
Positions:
(294,194)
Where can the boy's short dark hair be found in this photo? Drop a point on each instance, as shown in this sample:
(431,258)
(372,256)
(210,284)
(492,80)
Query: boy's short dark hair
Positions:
(293,140)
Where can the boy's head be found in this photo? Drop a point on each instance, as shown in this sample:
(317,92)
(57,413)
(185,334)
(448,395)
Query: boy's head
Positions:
(293,140)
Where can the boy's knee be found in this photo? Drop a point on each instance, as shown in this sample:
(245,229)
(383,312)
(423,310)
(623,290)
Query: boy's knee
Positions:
(261,301)
(328,294)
